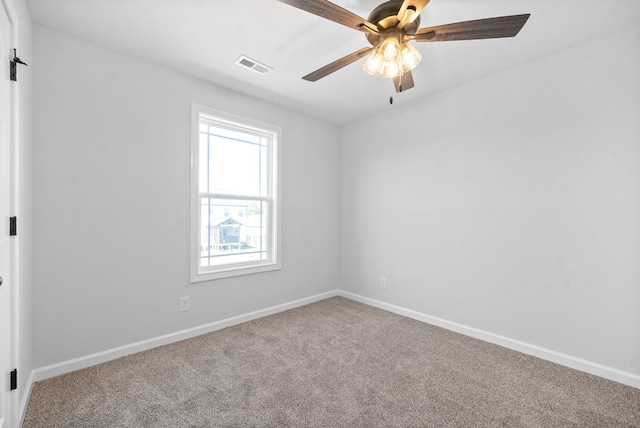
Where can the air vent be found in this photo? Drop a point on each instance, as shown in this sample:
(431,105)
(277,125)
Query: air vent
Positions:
(254,65)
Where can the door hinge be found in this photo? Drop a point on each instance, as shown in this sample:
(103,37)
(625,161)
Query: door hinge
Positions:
(13,66)
(13,226)
(14,379)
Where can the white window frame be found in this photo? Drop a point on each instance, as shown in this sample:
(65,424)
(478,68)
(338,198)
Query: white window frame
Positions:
(199,273)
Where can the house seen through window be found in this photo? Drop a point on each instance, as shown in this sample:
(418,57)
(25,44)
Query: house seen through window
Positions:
(236,177)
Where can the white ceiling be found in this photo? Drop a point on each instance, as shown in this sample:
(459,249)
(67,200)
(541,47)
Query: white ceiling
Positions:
(203,38)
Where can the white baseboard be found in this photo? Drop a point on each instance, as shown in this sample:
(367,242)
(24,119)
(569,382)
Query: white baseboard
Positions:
(526,348)
(111,354)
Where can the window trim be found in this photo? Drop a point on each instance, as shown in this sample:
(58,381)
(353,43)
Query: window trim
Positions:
(197,273)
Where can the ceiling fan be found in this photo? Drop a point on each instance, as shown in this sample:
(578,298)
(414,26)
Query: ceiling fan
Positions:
(391,27)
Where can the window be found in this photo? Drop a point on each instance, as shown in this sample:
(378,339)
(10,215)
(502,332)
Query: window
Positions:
(235,195)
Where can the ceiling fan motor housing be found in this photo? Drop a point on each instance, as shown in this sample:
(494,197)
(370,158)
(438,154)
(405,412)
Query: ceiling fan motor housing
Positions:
(384,16)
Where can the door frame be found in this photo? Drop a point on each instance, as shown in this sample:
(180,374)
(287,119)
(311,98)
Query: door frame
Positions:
(8,146)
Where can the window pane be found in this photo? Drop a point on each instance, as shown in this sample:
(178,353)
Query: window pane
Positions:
(232,162)
(232,231)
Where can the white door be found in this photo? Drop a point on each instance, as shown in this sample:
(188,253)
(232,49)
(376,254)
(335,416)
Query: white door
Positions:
(6,326)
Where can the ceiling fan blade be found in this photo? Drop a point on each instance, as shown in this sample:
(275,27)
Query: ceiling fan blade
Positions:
(409,11)
(333,12)
(489,28)
(337,65)
(403,82)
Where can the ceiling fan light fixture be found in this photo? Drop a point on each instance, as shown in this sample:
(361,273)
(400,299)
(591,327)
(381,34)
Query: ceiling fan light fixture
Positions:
(411,57)
(385,58)
(391,59)
(373,65)
(389,49)
(391,70)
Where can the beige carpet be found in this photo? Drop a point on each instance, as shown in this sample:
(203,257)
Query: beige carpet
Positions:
(334,363)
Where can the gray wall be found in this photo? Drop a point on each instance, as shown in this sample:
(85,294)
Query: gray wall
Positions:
(111,197)
(510,205)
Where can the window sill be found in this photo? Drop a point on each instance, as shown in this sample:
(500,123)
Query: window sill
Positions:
(234,271)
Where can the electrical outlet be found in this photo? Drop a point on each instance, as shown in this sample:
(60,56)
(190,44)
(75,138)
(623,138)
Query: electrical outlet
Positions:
(383,282)
(184,304)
